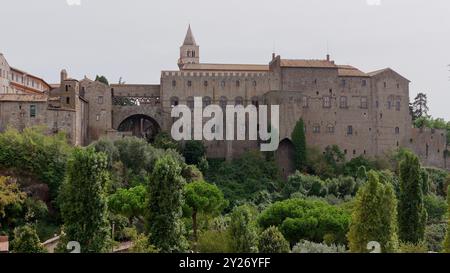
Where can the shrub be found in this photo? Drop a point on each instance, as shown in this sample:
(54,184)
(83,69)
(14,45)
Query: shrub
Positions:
(311,220)
(272,240)
(434,236)
(436,207)
(311,247)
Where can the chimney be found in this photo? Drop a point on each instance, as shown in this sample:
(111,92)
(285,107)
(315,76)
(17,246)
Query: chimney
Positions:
(328,57)
(273,56)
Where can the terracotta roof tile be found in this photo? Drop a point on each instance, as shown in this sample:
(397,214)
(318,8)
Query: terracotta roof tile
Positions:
(350,71)
(227,67)
(307,63)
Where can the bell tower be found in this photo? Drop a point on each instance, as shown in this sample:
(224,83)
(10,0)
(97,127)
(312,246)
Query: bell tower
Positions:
(189,51)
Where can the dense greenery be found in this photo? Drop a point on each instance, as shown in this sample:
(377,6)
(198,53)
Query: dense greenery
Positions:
(311,220)
(412,215)
(147,196)
(299,141)
(83,201)
(165,195)
(374,217)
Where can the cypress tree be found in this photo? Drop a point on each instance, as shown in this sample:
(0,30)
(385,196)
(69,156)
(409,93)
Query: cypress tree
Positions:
(83,201)
(299,141)
(412,215)
(165,195)
(374,217)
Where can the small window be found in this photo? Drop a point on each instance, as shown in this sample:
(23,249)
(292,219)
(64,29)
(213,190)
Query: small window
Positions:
(190,102)
(67,100)
(305,101)
(330,129)
(223,102)
(316,129)
(255,101)
(343,102)
(326,102)
(397,105)
(364,82)
(205,83)
(67,88)
(398,86)
(385,84)
(350,130)
(174,101)
(32,111)
(364,103)
(222,83)
(100,100)
(174,83)
(354,152)
(254,83)
(397,130)
(343,83)
(206,101)
(189,83)
(238,83)
(239,101)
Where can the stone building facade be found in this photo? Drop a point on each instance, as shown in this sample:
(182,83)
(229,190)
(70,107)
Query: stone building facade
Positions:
(363,113)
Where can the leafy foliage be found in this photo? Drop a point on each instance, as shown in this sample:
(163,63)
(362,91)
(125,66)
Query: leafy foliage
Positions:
(300,219)
(194,151)
(436,207)
(412,215)
(129,202)
(299,141)
(311,247)
(83,201)
(165,195)
(272,240)
(374,217)
(205,198)
(9,194)
(26,240)
(243,230)
(102,79)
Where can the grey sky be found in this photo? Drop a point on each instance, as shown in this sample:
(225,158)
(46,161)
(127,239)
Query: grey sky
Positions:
(136,39)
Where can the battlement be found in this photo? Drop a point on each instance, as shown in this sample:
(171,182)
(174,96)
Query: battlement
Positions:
(212,74)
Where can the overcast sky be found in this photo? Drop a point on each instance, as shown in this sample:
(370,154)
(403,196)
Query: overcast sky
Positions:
(136,39)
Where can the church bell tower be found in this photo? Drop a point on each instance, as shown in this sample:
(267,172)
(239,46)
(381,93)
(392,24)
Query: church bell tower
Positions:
(189,51)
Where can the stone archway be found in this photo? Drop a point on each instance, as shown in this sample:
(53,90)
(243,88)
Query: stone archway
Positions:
(141,126)
(285,158)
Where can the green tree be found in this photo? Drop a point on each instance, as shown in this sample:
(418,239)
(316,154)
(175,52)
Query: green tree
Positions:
(9,194)
(194,151)
(447,236)
(83,201)
(299,141)
(164,141)
(374,217)
(420,106)
(205,198)
(165,195)
(26,240)
(129,202)
(412,215)
(243,230)
(101,79)
(272,240)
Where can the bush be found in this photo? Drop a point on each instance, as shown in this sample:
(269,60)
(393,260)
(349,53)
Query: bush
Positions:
(214,241)
(194,151)
(436,207)
(26,240)
(434,236)
(272,240)
(311,220)
(413,248)
(311,247)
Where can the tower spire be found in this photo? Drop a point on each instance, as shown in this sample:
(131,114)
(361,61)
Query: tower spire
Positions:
(189,39)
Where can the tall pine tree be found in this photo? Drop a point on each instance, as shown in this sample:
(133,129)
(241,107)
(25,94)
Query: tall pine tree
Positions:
(83,201)
(299,141)
(165,195)
(374,217)
(412,216)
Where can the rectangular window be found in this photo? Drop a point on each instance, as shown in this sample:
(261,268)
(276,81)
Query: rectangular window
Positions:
(398,105)
(326,101)
(305,102)
(67,100)
(364,103)
(350,130)
(100,100)
(343,102)
(32,111)
(364,82)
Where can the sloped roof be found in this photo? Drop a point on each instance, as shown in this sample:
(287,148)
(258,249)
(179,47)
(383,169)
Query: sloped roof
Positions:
(378,72)
(350,71)
(189,39)
(307,63)
(227,67)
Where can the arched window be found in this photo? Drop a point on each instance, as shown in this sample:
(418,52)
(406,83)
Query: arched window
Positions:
(190,102)
(174,101)
(206,101)
(223,102)
(239,101)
